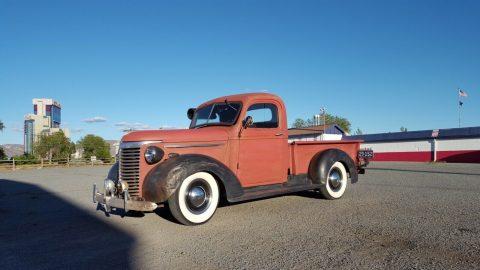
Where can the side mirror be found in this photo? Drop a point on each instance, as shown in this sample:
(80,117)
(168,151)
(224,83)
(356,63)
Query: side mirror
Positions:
(191,113)
(248,122)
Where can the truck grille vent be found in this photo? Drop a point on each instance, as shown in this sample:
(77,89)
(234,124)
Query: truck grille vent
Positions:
(130,169)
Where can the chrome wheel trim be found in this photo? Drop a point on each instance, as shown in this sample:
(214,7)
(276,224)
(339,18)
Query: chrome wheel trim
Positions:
(198,196)
(335,179)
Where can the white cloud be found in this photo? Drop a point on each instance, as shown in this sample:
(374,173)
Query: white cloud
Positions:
(171,127)
(76,130)
(250,90)
(121,124)
(15,127)
(132,126)
(96,119)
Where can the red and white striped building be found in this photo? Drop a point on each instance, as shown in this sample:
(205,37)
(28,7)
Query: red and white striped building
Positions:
(457,145)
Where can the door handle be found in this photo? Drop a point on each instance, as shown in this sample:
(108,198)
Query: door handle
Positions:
(279,134)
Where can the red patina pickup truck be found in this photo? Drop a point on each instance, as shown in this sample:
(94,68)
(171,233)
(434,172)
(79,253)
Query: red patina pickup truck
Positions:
(236,149)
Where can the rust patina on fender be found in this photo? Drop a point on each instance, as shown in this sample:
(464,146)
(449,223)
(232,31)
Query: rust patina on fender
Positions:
(162,181)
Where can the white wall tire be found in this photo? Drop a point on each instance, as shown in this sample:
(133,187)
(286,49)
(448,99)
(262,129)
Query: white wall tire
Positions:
(336,182)
(196,199)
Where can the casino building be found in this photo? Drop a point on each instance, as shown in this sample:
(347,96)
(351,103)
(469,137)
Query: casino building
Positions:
(45,120)
(455,145)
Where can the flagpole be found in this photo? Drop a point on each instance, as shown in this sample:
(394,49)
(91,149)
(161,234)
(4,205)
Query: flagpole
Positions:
(459,108)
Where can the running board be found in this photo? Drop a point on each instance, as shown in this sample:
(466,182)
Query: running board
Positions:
(270,191)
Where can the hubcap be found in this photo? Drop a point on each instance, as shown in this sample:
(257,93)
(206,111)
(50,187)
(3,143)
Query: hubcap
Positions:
(335,179)
(198,196)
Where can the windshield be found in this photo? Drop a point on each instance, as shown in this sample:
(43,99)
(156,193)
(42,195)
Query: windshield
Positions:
(220,114)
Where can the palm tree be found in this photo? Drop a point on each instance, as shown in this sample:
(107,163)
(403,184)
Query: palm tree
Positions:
(2,126)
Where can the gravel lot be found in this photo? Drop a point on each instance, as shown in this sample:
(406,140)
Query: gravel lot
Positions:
(398,216)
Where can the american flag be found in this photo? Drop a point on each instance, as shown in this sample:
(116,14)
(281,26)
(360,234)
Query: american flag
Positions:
(462,93)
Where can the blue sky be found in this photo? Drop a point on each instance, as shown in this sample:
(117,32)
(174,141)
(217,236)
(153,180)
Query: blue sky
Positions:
(381,64)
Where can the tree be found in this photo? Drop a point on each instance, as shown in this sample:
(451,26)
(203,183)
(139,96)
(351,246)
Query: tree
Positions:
(358,132)
(299,123)
(25,159)
(330,119)
(342,122)
(94,146)
(403,129)
(2,154)
(54,146)
(2,126)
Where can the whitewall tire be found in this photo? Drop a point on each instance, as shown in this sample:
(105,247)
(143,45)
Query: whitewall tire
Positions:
(336,182)
(196,199)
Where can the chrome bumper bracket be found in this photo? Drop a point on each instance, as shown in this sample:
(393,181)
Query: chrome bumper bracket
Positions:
(122,203)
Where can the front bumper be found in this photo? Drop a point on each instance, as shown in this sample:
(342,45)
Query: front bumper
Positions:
(123,203)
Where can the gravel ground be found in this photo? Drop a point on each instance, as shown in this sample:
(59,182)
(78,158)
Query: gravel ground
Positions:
(399,216)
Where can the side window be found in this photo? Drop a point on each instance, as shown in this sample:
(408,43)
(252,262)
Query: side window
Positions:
(265,115)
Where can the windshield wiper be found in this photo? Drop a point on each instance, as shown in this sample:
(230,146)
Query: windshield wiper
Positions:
(201,126)
(211,124)
(228,104)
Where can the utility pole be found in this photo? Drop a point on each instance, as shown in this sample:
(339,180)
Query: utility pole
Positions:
(323,112)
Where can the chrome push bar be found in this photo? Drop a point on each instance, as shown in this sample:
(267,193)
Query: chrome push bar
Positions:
(125,203)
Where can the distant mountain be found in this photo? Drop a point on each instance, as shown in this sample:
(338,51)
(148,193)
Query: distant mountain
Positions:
(12,150)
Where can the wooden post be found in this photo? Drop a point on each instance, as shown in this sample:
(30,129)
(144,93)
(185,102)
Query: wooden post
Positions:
(13,164)
(68,161)
(41,162)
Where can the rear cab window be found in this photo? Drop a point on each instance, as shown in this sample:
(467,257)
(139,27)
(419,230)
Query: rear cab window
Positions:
(265,115)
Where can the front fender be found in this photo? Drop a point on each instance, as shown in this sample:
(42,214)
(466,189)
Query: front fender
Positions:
(164,179)
(113,173)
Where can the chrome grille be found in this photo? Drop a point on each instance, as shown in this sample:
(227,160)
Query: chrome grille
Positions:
(130,169)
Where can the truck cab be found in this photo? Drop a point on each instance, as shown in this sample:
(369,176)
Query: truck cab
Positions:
(235,149)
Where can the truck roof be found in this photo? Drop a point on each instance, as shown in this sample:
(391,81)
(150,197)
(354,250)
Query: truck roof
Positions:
(244,98)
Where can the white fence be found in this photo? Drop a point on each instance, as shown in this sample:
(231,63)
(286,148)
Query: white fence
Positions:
(45,163)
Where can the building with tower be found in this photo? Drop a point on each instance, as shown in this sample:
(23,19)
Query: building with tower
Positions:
(45,120)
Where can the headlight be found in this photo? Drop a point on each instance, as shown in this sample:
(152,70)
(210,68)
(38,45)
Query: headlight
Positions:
(153,154)
(123,186)
(109,187)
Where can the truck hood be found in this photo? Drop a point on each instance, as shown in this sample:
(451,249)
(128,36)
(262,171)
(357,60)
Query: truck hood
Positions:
(178,135)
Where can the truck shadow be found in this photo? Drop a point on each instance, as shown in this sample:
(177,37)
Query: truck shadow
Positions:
(39,230)
(307,194)
(163,212)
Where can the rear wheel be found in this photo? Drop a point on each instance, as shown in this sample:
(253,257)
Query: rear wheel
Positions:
(196,200)
(336,182)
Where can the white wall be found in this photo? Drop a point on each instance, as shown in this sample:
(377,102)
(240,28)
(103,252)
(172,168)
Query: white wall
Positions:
(409,146)
(458,144)
(424,146)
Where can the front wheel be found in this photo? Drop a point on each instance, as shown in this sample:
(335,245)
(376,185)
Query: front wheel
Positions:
(196,200)
(336,182)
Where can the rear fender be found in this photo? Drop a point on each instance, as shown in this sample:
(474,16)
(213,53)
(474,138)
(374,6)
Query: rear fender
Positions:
(323,161)
(163,180)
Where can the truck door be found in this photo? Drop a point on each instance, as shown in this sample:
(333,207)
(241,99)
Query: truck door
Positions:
(263,151)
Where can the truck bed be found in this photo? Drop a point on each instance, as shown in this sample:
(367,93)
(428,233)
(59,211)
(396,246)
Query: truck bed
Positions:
(302,152)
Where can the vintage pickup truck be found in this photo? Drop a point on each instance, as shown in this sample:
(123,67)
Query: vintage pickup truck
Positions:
(236,149)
